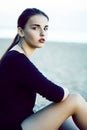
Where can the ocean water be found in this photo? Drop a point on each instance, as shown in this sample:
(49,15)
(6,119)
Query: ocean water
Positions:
(4,43)
(63,63)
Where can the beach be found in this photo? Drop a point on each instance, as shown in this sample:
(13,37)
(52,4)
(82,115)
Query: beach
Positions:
(63,63)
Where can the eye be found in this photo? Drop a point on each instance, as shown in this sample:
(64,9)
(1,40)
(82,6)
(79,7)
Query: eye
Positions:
(34,28)
(46,28)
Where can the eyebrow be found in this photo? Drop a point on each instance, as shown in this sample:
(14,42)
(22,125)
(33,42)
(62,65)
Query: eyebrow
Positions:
(38,25)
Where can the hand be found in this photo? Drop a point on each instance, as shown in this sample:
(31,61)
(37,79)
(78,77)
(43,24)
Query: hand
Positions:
(66,93)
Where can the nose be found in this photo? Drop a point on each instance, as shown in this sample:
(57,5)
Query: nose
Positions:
(42,32)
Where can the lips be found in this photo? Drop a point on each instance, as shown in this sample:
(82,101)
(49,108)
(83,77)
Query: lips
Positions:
(42,40)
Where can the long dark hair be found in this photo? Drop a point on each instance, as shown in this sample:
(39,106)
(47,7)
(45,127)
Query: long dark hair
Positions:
(22,20)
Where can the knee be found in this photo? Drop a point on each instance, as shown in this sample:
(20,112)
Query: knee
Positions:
(77,100)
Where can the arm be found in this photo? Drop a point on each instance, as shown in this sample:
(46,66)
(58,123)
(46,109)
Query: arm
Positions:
(34,80)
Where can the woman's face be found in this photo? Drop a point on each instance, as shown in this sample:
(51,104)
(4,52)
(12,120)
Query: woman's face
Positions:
(35,31)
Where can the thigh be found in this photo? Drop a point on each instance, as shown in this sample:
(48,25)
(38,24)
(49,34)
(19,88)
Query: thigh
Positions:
(50,117)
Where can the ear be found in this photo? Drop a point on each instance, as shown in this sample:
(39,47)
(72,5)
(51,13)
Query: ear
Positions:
(20,32)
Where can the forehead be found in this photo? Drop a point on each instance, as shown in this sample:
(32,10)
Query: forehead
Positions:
(38,19)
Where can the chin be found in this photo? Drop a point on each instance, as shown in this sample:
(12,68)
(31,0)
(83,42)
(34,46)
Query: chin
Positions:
(40,46)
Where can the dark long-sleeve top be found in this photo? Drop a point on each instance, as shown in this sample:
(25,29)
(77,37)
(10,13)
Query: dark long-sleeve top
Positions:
(20,80)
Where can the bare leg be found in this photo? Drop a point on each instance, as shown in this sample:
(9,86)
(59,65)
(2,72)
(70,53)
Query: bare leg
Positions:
(53,116)
(80,117)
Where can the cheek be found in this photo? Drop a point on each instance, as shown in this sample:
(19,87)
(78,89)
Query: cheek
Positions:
(46,35)
(33,36)
(28,35)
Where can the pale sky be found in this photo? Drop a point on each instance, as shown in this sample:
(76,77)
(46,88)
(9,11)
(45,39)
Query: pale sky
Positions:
(68,18)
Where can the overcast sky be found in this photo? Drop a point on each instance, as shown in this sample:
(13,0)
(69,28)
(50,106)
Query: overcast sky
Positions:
(68,18)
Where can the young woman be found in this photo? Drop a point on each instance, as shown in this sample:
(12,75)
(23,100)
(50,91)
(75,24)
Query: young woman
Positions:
(20,80)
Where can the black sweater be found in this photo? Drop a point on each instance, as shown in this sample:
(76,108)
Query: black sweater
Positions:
(20,80)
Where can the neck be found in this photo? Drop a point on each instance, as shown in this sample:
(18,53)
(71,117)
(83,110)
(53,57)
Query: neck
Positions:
(27,50)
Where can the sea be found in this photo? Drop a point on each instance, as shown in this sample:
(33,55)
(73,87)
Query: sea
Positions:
(61,62)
